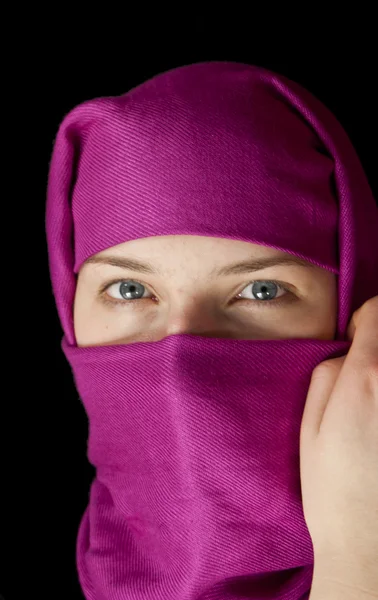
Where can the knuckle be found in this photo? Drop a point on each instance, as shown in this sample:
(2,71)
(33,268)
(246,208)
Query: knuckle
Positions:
(328,367)
(371,305)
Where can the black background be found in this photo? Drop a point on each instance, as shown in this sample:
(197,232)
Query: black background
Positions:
(56,60)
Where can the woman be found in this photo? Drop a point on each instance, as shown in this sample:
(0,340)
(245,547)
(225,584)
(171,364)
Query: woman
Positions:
(210,239)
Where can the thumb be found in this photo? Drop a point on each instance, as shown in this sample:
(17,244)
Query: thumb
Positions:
(323,380)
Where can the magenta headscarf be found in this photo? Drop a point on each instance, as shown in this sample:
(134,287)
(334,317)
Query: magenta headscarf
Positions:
(195,440)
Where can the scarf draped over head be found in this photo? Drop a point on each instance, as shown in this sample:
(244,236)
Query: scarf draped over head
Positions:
(196,440)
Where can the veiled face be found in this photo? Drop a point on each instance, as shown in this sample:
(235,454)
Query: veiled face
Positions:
(187,289)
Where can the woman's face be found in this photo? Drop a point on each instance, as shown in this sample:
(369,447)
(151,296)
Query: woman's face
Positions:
(186,289)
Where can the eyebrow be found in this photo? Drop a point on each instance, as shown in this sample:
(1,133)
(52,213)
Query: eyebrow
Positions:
(246,266)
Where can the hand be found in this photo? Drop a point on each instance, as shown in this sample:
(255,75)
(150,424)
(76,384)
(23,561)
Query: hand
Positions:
(339,448)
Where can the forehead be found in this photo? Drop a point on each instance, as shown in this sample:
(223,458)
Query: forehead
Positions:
(219,256)
(156,246)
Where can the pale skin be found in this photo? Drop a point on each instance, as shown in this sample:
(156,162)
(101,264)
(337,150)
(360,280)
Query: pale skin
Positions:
(186,296)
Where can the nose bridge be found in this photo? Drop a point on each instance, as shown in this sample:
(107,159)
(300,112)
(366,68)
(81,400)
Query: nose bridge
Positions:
(193,312)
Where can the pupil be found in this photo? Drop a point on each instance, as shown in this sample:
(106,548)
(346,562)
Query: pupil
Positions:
(127,289)
(266,291)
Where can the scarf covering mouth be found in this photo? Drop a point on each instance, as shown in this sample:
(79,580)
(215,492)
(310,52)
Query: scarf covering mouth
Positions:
(195,440)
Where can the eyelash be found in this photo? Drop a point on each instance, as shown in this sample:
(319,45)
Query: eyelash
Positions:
(289,296)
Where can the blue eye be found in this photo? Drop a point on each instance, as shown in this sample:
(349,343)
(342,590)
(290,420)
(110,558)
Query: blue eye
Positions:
(259,292)
(263,290)
(130,290)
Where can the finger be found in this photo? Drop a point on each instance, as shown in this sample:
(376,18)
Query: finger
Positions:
(363,330)
(322,383)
